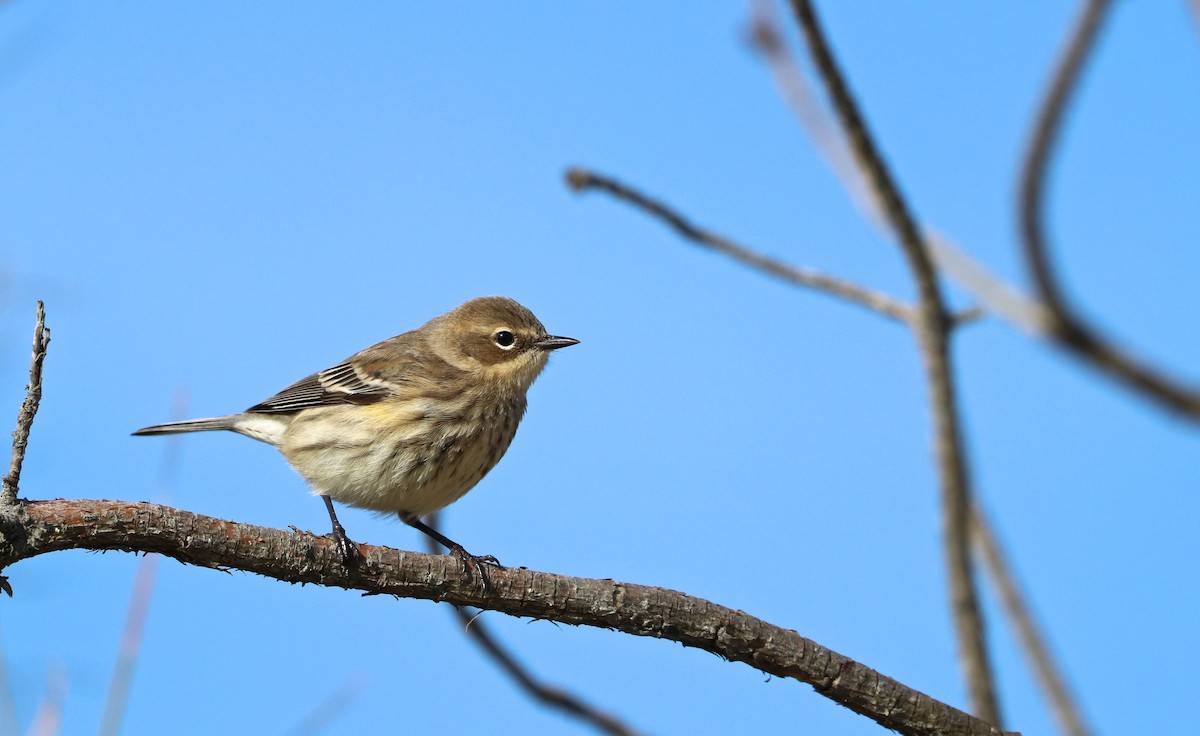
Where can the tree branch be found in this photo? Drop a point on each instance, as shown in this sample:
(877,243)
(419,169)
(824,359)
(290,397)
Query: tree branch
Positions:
(1065,326)
(766,36)
(1037,651)
(931,325)
(582,180)
(28,410)
(39,527)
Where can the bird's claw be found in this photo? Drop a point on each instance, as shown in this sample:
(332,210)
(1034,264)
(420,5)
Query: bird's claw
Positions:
(347,549)
(473,565)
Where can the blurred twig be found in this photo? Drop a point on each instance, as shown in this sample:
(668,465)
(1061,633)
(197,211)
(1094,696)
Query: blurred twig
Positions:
(997,297)
(581,180)
(28,410)
(931,325)
(326,712)
(548,695)
(1065,326)
(130,647)
(1064,706)
(48,719)
(766,36)
(8,704)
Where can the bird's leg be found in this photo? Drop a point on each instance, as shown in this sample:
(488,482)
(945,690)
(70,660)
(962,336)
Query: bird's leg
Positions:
(470,563)
(351,555)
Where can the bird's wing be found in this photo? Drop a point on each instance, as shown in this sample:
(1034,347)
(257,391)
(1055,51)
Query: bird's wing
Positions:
(341,384)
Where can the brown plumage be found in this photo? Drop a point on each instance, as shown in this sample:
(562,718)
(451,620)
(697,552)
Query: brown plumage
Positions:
(410,424)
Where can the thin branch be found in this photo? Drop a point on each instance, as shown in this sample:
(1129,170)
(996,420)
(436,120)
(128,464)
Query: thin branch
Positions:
(51,526)
(766,37)
(998,297)
(547,695)
(121,684)
(1066,327)
(48,719)
(931,325)
(1049,674)
(1045,136)
(28,410)
(8,703)
(335,705)
(581,180)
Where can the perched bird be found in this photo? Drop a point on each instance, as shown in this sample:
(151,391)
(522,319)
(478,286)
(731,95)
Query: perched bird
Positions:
(410,424)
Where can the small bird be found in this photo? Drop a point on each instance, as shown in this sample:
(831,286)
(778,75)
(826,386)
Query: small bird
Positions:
(408,425)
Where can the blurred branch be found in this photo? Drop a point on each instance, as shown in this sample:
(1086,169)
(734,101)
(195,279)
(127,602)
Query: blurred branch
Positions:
(547,695)
(51,526)
(130,648)
(1066,710)
(326,712)
(1065,327)
(766,36)
(1045,135)
(997,296)
(28,410)
(48,719)
(8,703)
(581,180)
(931,325)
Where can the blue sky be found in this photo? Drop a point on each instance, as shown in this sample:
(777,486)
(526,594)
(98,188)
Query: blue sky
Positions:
(220,198)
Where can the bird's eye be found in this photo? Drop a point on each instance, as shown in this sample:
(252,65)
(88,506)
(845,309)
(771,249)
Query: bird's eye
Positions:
(504,339)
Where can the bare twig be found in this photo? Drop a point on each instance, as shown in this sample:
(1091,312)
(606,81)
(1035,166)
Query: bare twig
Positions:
(28,410)
(1066,326)
(766,36)
(997,296)
(8,703)
(581,180)
(130,649)
(50,526)
(548,695)
(326,712)
(931,325)
(1045,135)
(1064,706)
(48,719)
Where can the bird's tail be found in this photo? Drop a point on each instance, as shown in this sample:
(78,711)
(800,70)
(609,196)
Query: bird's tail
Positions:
(190,425)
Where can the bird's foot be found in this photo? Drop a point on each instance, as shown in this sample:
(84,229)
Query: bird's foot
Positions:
(474,565)
(347,548)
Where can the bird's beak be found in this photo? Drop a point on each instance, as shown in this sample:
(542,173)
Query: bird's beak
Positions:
(551,342)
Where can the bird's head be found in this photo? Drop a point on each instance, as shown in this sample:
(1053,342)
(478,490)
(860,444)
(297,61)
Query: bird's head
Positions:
(497,337)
